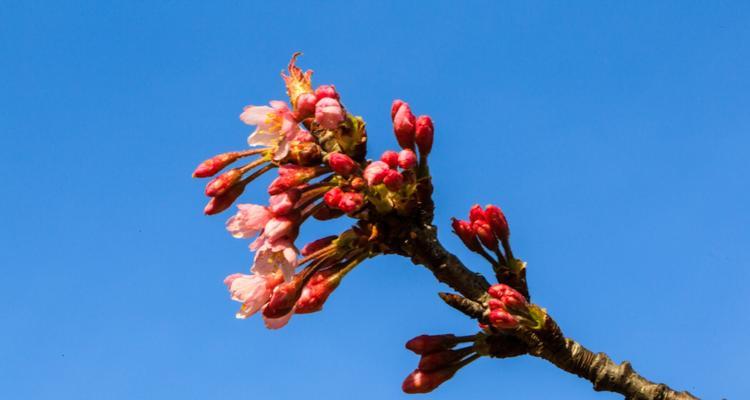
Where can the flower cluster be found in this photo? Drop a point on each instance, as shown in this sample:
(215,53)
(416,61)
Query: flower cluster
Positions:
(319,150)
(439,360)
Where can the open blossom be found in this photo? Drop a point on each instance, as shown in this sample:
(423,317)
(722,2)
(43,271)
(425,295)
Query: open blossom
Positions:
(328,113)
(270,257)
(275,126)
(248,221)
(253,291)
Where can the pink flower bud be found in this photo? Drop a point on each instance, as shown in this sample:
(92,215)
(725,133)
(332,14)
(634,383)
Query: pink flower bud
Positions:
(283,297)
(407,159)
(316,245)
(390,157)
(341,164)
(328,113)
(333,197)
(215,164)
(424,382)
(375,172)
(423,135)
(351,201)
(395,106)
(282,204)
(495,304)
(510,298)
(326,91)
(466,233)
(291,176)
(393,180)
(223,182)
(438,360)
(317,290)
(278,227)
(426,344)
(220,203)
(497,221)
(476,213)
(485,234)
(502,319)
(306,105)
(403,126)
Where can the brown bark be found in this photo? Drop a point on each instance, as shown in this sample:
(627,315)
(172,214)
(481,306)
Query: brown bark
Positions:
(423,247)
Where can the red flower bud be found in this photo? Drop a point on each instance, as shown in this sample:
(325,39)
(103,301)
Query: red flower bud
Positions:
(351,201)
(220,203)
(403,126)
(426,344)
(341,164)
(291,176)
(424,382)
(215,164)
(306,105)
(393,180)
(283,203)
(497,221)
(502,319)
(510,298)
(424,134)
(284,297)
(223,182)
(317,290)
(375,172)
(495,304)
(466,233)
(441,359)
(407,159)
(476,213)
(395,106)
(390,157)
(485,234)
(333,197)
(324,91)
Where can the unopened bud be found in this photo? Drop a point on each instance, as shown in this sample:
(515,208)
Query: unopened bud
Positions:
(485,234)
(403,126)
(306,105)
(466,233)
(497,221)
(502,319)
(407,159)
(393,180)
(395,106)
(223,182)
(341,164)
(390,157)
(333,197)
(215,164)
(328,91)
(423,134)
(440,359)
(476,213)
(424,382)
(220,203)
(328,113)
(375,172)
(510,298)
(426,344)
(283,297)
(317,290)
(282,204)
(351,201)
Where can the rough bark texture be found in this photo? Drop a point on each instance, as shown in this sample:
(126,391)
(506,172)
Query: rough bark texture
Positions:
(423,247)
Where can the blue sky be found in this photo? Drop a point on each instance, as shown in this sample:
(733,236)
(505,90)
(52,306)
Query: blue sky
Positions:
(615,135)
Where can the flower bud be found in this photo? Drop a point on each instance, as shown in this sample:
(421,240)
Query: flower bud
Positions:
(476,213)
(223,182)
(403,126)
(438,360)
(390,157)
(466,233)
(351,201)
(278,227)
(426,344)
(333,197)
(316,245)
(282,204)
(326,91)
(220,203)
(424,382)
(215,164)
(485,234)
(407,159)
(283,297)
(328,113)
(317,290)
(393,180)
(502,319)
(510,298)
(495,304)
(306,105)
(375,172)
(291,176)
(341,164)
(395,106)
(497,221)
(423,134)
